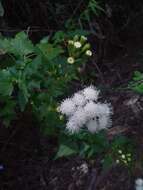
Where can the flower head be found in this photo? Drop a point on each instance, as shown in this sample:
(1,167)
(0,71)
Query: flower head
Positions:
(90,109)
(79,117)
(88,52)
(70,60)
(79,99)
(77,44)
(91,93)
(98,113)
(67,107)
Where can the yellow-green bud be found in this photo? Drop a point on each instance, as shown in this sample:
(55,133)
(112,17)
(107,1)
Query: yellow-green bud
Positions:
(120,151)
(88,53)
(58,109)
(86,47)
(76,38)
(70,42)
(61,117)
(117,161)
(83,39)
(129,159)
(123,156)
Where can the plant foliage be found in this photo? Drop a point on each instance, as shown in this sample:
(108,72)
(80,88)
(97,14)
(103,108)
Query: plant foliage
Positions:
(34,77)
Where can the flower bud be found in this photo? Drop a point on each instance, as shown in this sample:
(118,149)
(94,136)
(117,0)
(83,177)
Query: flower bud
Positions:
(70,60)
(83,39)
(88,53)
(70,42)
(76,38)
(86,47)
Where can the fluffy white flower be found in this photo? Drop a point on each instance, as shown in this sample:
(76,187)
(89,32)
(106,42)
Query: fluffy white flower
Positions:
(88,52)
(91,93)
(82,110)
(79,99)
(70,60)
(72,127)
(77,44)
(79,117)
(92,126)
(67,107)
(91,109)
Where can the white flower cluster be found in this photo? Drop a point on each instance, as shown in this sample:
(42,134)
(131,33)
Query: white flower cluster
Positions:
(84,110)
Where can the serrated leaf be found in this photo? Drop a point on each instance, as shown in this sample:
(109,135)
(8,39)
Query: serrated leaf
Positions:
(49,51)
(21,45)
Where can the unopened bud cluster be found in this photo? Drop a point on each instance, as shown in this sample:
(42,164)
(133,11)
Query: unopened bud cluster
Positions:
(124,158)
(78,48)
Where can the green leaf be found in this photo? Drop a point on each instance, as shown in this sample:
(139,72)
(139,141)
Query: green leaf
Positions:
(19,46)
(59,37)
(138,88)
(23,95)
(49,51)
(108,161)
(6,86)
(138,76)
(65,151)
(33,66)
